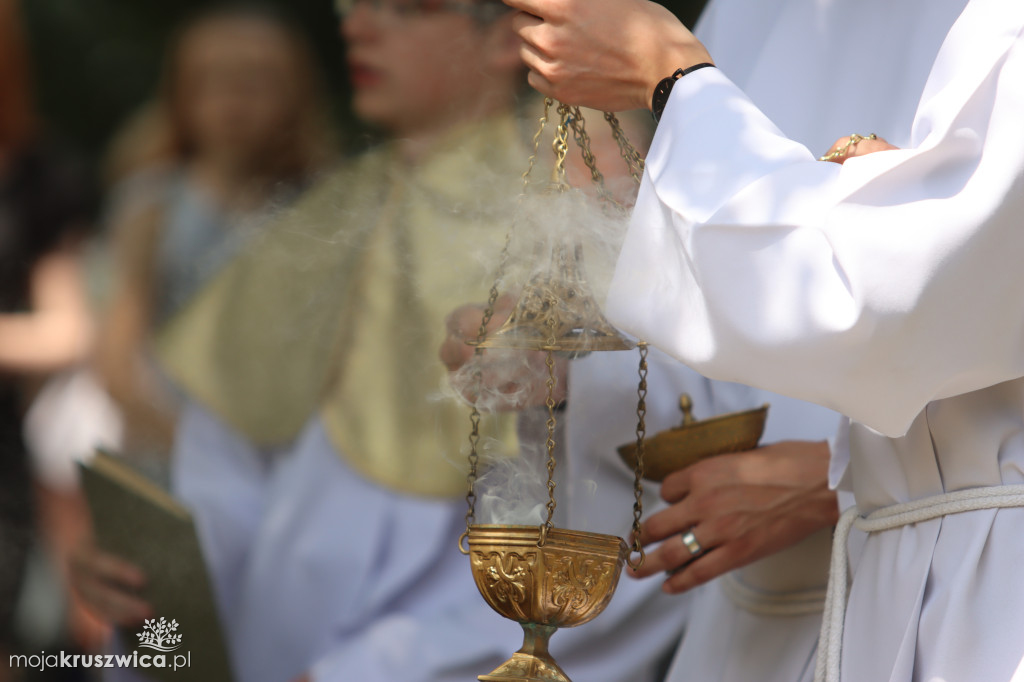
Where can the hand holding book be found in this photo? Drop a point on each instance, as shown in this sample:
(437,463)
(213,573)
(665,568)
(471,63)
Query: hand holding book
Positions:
(109,585)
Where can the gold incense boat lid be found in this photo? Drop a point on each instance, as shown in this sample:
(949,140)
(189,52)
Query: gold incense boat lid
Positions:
(697,439)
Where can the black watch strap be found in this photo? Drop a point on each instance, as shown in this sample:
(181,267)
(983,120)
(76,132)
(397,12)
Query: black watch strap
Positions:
(664,88)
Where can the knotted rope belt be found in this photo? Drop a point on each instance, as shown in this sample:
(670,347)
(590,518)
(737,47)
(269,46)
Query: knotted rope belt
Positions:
(830,643)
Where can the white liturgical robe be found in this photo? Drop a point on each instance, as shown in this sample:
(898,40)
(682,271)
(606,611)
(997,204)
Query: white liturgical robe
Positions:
(888,288)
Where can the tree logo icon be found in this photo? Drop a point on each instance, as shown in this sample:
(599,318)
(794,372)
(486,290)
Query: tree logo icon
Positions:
(160,635)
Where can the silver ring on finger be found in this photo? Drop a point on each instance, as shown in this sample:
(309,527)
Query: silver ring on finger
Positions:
(690,540)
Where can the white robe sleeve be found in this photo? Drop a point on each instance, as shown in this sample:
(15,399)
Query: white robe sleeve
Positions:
(871,288)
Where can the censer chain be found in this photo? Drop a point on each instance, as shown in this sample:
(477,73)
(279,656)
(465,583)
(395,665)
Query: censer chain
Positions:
(560,145)
(549,362)
(536,144)
(549,402)
(569,117)
(492,299)
(579,132)
(474,414)
(632,157)
(634,161)
(638,470)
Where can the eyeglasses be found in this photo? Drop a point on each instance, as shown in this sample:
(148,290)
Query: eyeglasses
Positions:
(484,10)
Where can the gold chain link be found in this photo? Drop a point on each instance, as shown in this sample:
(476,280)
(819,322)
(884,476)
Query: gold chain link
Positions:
(638,470)
(536,143)
(632,157)
(635,163)
(549,402)
(579,133)
(474,415)
(560,145)
(492,299)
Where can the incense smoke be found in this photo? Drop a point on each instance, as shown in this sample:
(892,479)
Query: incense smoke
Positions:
(514,490)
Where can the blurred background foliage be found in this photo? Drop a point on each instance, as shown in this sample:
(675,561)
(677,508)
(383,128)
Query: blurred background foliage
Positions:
(96,61)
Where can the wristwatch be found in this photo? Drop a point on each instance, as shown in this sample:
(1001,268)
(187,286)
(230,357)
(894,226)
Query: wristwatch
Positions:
(664,88)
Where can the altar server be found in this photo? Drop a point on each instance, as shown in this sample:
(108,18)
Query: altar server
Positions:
(885,288)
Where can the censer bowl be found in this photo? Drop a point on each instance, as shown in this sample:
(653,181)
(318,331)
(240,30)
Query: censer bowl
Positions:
(566,582)
(695,440)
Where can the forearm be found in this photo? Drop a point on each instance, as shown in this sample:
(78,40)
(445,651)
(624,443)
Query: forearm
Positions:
(57,329)
(41,342)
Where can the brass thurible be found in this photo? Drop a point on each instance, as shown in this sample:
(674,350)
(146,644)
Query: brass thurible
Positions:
(546,577)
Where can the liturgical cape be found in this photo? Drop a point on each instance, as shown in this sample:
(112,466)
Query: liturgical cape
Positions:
(887,288)
(338,308)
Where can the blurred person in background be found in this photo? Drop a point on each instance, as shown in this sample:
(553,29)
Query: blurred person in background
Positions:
(312,448)
(45,324)
(238,129)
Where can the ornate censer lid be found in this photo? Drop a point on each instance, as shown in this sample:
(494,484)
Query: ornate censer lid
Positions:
(557,311)
(697,439)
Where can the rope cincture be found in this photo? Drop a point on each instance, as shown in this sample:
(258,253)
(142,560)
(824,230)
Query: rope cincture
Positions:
(830,642)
